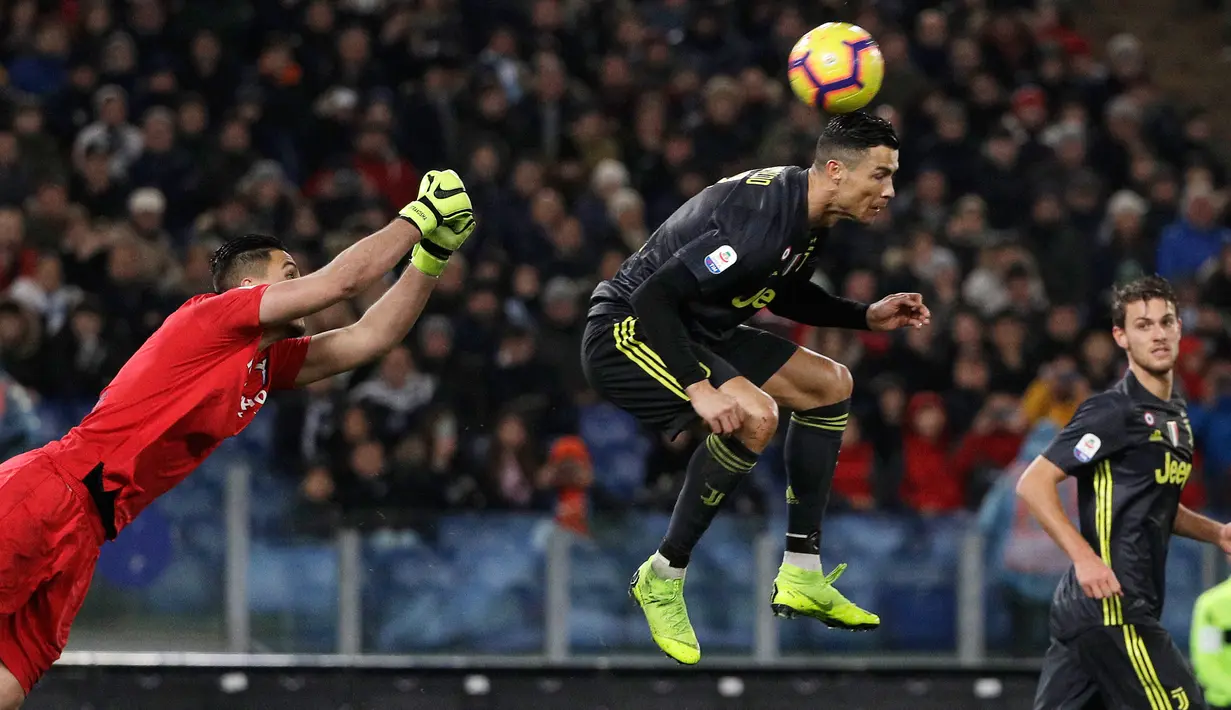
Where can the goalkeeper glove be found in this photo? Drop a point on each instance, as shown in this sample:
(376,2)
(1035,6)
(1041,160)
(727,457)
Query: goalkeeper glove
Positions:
(445,218)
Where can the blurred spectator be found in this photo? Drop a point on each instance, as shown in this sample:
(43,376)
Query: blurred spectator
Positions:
(855,478)
(45,293)
(510,474)
(1024,563)
(16,259)
(111,132)
(41,71)
(569,472)
(395,393)
(929,484)
(991,444)
(1055,393)
(1194,239)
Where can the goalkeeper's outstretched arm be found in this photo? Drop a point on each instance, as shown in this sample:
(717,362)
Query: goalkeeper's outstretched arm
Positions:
(442,203)
(387,322)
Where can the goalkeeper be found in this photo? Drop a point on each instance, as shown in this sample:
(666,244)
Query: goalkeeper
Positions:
(197,381)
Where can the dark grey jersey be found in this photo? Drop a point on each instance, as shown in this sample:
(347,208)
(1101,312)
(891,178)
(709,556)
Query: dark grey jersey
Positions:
(745,238)
(1131,454)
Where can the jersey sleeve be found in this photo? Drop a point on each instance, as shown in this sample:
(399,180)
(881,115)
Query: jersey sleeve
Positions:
(1097,431)
(234,312)
(741,243)
(286,359)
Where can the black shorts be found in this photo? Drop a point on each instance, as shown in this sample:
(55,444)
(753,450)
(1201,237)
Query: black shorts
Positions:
(626,372)
(1129,667)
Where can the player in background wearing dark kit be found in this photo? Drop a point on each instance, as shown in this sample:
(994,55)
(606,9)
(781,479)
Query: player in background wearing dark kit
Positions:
(1130,449)
(198,380)
(665,341)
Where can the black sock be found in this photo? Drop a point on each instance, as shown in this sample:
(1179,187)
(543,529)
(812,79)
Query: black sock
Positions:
(812,442)
(714,471)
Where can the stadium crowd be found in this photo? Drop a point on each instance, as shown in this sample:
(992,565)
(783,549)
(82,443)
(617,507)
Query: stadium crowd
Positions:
(135,137)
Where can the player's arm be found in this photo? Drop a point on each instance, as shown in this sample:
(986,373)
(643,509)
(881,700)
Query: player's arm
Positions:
(349,274)
(442,201)
(1095,433)
(809,304)
(1195,526)
(1038,489)
(382,327)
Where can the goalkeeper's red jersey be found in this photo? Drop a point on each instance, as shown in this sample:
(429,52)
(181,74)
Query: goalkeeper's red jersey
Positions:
(199,379)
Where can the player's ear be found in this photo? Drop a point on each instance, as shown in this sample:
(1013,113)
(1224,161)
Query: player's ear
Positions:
(1120,336)
(835,170)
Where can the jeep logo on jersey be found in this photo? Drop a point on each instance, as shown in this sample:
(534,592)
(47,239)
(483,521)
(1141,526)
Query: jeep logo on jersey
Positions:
(721,259)
(758,300)
(1174,471)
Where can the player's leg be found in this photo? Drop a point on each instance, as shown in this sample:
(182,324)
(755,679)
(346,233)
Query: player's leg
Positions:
(629,374)
(1138,667)
(11,693)
(1063,683)
(817,390)
(50,538)
(717,467)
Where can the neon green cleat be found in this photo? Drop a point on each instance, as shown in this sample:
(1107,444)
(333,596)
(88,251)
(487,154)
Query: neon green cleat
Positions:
(800,592)
(662,602)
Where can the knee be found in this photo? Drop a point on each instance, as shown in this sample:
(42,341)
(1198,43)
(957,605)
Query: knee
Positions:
(760,421)
(843,383)
(831,383)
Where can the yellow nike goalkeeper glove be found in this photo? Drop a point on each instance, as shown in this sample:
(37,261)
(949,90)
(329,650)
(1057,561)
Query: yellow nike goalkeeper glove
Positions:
(444,216)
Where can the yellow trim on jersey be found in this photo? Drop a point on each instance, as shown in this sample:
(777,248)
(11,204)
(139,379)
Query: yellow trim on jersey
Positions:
(1144,667)
(645,358)
(1113,611)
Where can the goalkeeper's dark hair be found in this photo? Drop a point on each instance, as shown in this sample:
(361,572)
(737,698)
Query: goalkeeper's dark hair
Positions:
(1143,289)
(848,136)
(240,258)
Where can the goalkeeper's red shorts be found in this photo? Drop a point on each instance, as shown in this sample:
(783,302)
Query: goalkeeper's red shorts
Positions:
(50,538)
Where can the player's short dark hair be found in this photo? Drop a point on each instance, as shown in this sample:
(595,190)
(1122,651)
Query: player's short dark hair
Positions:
(1144,289)
(239,257)
(848,135)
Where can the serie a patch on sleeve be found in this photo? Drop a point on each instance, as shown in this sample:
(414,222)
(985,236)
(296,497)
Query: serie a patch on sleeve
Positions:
(1087,447)
(721,259)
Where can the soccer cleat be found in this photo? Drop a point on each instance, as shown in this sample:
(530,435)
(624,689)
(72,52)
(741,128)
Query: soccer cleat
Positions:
(800,592)
(662,602)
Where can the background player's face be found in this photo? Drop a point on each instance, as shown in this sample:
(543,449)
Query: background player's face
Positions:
(1151,335)
(867,185)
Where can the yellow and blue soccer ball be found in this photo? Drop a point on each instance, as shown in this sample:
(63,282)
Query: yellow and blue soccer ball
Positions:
(837,67)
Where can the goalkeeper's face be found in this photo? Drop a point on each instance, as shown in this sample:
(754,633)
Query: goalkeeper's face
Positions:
(866,184)
(282,267)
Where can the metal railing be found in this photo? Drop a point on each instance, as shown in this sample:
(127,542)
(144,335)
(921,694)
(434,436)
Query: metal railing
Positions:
(348,648)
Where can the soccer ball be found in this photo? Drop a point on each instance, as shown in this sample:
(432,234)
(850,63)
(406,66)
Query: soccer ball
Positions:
(837,67)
